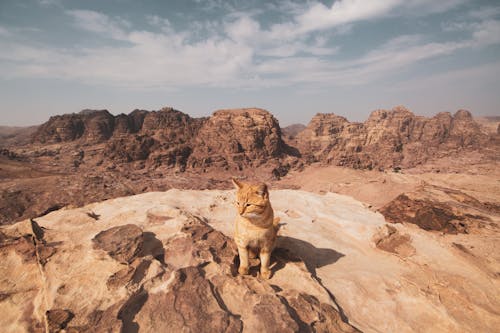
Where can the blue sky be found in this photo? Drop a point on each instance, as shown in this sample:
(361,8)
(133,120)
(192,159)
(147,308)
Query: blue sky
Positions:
(293,58)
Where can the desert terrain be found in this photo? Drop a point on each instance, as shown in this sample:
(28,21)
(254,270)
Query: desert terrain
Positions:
(390,225)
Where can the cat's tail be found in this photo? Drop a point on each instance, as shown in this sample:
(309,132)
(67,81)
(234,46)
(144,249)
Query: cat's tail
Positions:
(276,223)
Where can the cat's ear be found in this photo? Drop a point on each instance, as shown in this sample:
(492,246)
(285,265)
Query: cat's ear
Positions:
(262,191)
(236,183)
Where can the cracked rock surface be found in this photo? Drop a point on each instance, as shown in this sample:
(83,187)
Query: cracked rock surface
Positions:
(166,262)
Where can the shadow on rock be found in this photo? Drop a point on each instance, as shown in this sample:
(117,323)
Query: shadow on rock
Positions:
(152,246)
(289,249)
(128,311)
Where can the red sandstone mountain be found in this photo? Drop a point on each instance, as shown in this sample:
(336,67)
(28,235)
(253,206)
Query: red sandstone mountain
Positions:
(236,139)
(389,138)
(93,155)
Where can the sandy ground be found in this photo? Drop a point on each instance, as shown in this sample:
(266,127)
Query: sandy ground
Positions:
(376,188)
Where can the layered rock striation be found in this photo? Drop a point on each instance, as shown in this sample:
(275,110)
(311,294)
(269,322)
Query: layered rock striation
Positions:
(241,138)
(389,138)
(229,139)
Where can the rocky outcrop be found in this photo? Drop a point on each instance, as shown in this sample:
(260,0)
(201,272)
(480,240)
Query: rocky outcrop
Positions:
(155,262)
(436,208)
(241,138)
(98,125)
(237,138)
(130,148)
(151,276)
(389,138)
(63,128)
(155,150)
(122,243)
(92,126)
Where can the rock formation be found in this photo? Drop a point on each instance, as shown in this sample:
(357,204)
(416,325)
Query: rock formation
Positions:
(388,139)
(172,272)
(92,155)
(165,261)
(243,137)
(439,209)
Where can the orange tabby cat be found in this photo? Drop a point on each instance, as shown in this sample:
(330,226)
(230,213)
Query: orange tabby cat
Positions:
(256,229)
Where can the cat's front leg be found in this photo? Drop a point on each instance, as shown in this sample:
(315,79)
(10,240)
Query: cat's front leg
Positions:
(243,252)
(265,259)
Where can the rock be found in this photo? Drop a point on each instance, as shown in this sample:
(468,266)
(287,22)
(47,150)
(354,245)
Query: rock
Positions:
(316,316)
(13,204)
(91,156)
(63,128)
(58,319)
(21,282)
(236,139)
(99,125)
(155,291)
(123,125)
(391,240)
(190,305)
(93,126)
(130,148)
(123,243)
(389,138)
(171,270)
(438,209)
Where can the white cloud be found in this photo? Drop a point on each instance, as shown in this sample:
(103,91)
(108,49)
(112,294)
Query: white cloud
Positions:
(49,2)
(342,12)
(236,51)
(100,23)
(484,13)
(160,22)
(487,32)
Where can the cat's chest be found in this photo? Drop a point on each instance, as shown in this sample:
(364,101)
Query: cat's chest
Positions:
(250,236)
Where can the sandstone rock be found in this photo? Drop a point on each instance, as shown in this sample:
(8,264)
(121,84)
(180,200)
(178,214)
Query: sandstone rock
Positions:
(189,305)
(154,292)
(58,319)
(389,138)
(237,138)
(391,240)
(137,119)
(438,209)
(91,156)
(63,128)
(123,125)
(130,148)
(98,125)
(122,243)
(13,204)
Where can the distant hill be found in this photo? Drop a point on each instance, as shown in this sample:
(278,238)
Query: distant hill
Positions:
(12,135)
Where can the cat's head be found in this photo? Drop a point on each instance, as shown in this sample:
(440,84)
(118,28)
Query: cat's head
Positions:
(251,200)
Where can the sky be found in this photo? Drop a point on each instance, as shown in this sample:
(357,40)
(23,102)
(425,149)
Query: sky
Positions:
(292,58)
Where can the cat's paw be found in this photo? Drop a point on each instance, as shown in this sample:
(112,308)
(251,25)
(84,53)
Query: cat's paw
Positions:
(266,274)
(243,270)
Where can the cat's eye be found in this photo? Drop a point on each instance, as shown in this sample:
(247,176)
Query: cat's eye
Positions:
(248,204)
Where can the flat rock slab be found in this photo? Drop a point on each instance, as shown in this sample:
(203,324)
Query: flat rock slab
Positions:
(123,243)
